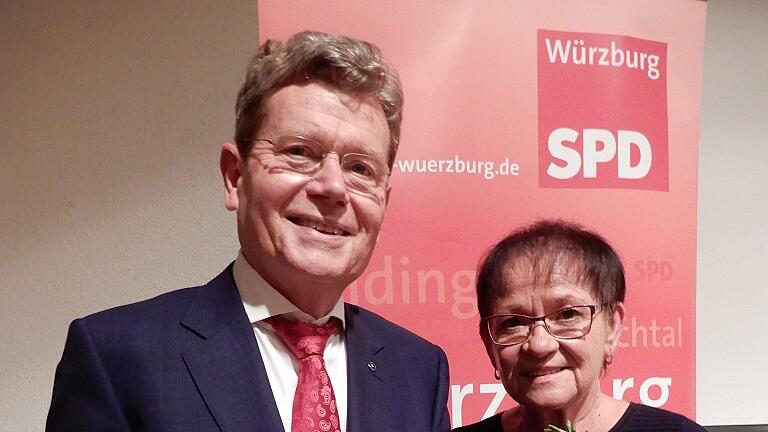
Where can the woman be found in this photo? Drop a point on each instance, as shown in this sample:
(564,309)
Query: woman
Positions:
(551,296)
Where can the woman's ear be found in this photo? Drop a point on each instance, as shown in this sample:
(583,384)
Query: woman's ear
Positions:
(490,348)
(615,327)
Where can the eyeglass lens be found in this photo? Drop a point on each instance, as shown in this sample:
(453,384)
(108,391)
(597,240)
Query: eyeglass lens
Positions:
(361,172)
(567,323)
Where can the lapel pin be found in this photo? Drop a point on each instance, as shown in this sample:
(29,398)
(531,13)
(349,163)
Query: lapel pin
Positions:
(372,366)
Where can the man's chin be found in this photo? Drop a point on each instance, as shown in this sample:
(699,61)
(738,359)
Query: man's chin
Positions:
(325,275)
(326,270)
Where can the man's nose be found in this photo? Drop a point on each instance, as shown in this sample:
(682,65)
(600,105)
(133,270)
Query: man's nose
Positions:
(328,182)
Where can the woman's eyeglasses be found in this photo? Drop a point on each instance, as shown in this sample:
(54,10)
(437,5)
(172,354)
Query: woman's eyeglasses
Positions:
(570,322)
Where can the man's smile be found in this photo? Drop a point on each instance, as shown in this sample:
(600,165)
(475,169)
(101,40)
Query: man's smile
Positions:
(324,227)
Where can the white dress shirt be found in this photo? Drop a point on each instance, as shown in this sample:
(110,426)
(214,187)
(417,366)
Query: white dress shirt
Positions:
(262,301)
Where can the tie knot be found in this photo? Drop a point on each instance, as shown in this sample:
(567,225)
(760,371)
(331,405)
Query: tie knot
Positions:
(304,339)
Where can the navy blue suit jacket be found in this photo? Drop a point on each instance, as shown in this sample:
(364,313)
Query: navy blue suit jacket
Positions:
(188,361)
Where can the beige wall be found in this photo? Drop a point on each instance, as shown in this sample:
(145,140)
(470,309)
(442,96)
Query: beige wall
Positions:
(732,340)
(111,119)
(112,116)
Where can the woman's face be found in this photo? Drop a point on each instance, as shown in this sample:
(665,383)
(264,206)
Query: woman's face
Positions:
(544,372)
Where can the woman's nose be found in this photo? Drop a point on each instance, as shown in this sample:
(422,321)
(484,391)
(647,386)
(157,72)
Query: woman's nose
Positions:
(540,342)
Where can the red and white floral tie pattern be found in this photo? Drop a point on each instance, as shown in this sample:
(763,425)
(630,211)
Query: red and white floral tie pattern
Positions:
(314,404)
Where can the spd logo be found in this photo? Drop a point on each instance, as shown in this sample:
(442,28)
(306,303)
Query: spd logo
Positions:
(602,112)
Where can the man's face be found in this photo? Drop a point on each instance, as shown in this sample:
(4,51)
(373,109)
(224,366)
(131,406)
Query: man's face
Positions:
(310,233)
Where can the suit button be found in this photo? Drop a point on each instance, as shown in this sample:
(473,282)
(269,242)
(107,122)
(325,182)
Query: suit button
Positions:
(372,366)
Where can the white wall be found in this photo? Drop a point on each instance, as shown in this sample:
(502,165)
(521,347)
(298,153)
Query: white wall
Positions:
(112,116)
(732,351)
(111,119)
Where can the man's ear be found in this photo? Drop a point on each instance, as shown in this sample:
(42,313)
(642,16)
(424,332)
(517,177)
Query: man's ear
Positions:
(230,166)
(616,325)
(386,197)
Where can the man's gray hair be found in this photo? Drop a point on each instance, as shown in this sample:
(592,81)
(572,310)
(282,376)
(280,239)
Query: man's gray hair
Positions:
(353,66)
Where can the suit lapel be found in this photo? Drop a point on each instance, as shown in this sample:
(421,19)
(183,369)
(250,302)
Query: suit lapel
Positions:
(368,381)
(225,362)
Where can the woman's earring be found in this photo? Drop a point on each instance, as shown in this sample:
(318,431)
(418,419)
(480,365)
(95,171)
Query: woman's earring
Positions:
(608,359)
(496,374)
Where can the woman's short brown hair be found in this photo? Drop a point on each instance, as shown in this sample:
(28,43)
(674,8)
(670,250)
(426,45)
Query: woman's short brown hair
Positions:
(547,247)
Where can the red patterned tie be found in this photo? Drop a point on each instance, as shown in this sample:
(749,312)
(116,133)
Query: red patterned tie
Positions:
(314,404)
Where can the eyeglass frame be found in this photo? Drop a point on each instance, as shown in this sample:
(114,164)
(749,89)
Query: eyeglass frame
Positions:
(593,311)
(387,172)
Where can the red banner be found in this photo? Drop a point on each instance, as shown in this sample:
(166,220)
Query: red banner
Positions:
(515,111)
(602,111)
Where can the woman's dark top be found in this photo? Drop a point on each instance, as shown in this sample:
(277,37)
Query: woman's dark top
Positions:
(637,418)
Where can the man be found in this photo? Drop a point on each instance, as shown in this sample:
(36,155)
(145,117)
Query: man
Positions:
(268,344)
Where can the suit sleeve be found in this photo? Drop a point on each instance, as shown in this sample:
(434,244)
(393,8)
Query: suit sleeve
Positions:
(83,399)
(440,420)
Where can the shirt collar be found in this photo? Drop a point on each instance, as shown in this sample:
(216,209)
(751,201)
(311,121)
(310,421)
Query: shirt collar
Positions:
(261,300)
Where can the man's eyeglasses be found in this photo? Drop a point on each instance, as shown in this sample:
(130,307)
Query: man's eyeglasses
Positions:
(571,322)
(362,173)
